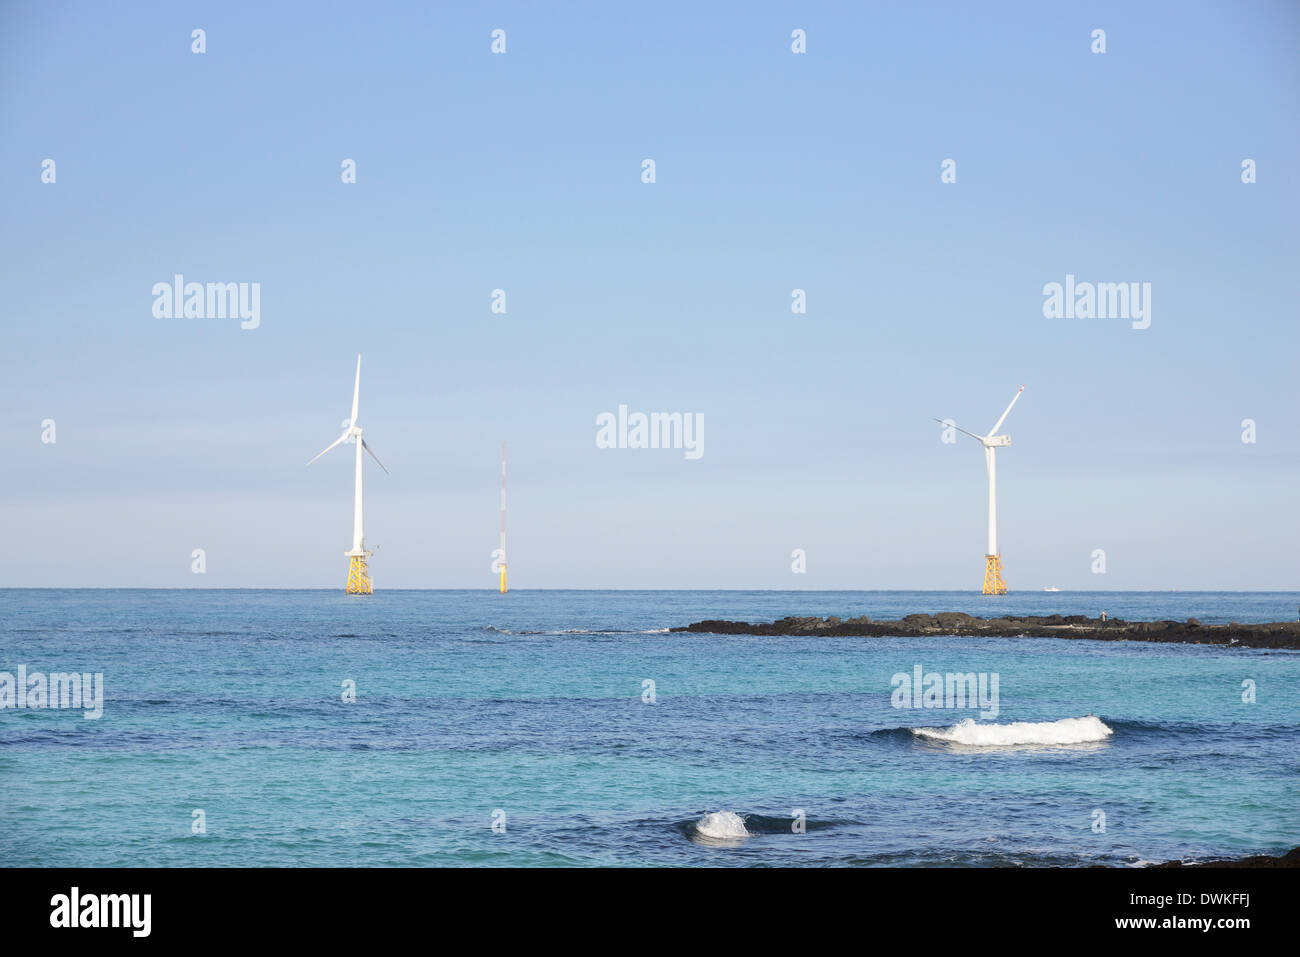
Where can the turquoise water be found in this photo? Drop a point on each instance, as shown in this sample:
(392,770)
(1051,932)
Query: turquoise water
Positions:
(532,704)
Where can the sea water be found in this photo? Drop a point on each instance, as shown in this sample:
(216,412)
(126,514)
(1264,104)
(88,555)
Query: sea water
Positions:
(419,728)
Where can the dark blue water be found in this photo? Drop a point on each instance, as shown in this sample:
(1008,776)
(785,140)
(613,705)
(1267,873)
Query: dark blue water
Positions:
(534,704)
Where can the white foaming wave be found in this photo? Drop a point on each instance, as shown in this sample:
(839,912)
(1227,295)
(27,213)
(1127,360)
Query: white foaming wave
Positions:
(1083,730)
(722,826)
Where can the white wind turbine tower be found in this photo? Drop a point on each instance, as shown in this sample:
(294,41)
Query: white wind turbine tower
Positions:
(993,583)
(358,569)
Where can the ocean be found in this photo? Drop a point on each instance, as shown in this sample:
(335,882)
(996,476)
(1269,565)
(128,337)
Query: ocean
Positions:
(545,728)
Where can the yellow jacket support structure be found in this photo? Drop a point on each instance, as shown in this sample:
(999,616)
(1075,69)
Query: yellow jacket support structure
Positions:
(993,583)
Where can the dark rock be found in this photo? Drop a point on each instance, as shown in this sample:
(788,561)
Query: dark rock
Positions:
(957,624)
(953,619)
(1290,859)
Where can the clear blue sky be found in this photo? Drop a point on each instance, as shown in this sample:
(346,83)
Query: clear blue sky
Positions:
(775,171)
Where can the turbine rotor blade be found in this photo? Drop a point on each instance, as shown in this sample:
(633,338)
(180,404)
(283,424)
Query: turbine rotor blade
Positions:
(946,424)
(330,446)
(997,426)
(356,393)
(374,456)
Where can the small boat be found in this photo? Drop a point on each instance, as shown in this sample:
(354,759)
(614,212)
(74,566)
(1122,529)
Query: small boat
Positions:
(1051,588)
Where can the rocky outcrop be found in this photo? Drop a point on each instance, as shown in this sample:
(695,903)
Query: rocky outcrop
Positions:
(1282,634)
(1290,859)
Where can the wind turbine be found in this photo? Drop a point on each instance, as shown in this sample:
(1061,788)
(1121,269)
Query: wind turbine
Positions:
(358,569)
(502,550)
(993,583)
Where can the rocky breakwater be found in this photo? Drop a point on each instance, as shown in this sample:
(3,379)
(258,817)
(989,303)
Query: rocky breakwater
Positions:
(1278,634)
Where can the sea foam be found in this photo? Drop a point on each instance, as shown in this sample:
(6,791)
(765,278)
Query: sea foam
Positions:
(1083,730)
(722,826)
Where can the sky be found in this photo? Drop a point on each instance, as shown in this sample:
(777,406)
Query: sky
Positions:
(773,171)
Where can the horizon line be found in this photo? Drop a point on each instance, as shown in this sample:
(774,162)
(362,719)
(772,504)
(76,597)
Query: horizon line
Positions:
(813,591)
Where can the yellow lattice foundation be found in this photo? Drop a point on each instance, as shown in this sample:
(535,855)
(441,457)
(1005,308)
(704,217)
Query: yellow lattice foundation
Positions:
(993,583)
(359,576)
(503,578)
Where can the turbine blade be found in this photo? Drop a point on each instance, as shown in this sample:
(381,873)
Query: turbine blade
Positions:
(356,392)
(945,424)
(330,446)
(998,425)
(374,456)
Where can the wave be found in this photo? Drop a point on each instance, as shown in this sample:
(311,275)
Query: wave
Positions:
(726,828)
(721,827)
(1086,730)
